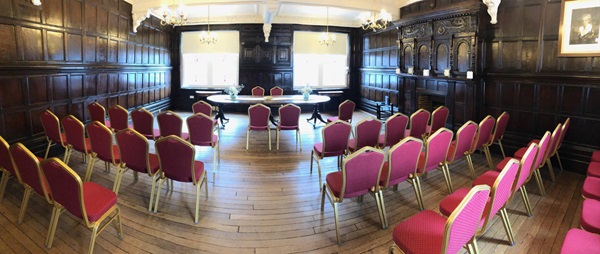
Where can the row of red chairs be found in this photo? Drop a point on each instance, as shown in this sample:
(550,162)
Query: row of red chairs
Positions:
(587,239)
(259,91)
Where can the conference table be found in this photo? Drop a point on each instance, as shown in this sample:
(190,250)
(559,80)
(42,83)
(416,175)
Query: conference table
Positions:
(314,100)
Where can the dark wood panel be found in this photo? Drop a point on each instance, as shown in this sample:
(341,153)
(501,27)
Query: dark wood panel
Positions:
(11,92)
(56,46)
(8,44)
(38,89)
(53,10)
(32,44)
(74,47)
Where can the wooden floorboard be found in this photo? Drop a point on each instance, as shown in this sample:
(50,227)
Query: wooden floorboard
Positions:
(263,201)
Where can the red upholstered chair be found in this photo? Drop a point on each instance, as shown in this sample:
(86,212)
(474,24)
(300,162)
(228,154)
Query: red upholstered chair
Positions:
(76,140)
(289,116)
(438,119)
(259,121)
(102,148)
(201,128)
(335,136)
(143,122)
(135,155)
(543,145)
(170,123)
(591,188)
(523,175)
(463,145)
(345,112)
(596,156)
(52,130)
(98,113)
(430,232)
(119,118)
(92,204)
(176,157)
(500,194)
(434,156)
(565,127)
(580,242)
(498,133)
(593,169)
(484,138)
(28,167)
(401,165)
(207,109)
(418,124)
(258,91)
(366,134)
(590,220)
(395,127)
(276,91)
(360,174)
(7,167)
(556,135)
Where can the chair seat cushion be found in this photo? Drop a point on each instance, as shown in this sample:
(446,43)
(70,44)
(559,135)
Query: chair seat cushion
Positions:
(258,128)
(407,133)
(591,188)
(287,127)
(593,169)
(352,145)
(451,149)
(421,233)
(198,170)
(332,119)
(384,175)
(154,163)
(381,141)
(590,220)
(520,153)
(97,200)
(450,202)
(579,241)
(215,139)
(318,148)
(488,178)
(596,156)
(502,164)
(335,180)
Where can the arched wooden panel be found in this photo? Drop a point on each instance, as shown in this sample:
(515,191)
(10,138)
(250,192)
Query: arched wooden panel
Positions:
(424,57)
(462,57)
(442,57)
(408,57)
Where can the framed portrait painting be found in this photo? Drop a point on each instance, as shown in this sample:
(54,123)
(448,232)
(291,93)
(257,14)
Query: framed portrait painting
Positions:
(579,33)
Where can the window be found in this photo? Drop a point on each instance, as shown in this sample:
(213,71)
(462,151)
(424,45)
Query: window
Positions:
(320,66)
(210,66)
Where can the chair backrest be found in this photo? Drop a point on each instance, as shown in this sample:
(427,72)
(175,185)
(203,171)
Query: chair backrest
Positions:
(176,158)
(526,165)
(501,123)
(101,141)
(335,136)
(259,116)
(276,91)
(367,133)
(556,134)
(51,126)
(464,141)
(289,115)
(119,118)
(395,127)
(418,123)
(133,149)
(202,107)
(66,185)
(543,148)
(502,190)
(484,133)
(97,112)
(200,127)
(403,158)
(463,222)
(436,149)
(169,123)
(75,133)
(143,122)
(438,118)
(28,166)
(345,110)
(361,171)
(565,127)
(6,161)
(258,91)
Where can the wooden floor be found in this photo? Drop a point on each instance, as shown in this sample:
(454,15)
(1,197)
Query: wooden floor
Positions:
(263,201)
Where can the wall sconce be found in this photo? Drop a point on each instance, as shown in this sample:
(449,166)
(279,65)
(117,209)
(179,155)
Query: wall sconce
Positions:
(36,2)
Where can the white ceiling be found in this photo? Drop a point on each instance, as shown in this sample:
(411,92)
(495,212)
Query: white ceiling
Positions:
(345,13)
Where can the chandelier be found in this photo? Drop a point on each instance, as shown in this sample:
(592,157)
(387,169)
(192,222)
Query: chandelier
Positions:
(326,38)
(173,17)
(206,37)
(376,21)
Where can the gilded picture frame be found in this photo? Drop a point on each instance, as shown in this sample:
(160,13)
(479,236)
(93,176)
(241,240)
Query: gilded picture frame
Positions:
(579,30)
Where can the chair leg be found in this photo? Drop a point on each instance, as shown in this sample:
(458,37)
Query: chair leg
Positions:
(67,155)
(94,235)
(3,184)
(337,223)
(152,191)
(56,212)
(501,148)
(470,164)
(417,187)
(312,156)
(24,203)
(120,228)
(488,156)
(323,190)
(160,183)
(269,133)
(198,186)
(118,177)
(540,182)
(446,170)
(88,172)
(507,226)
(247,137)
(47,149)
(381,209)
(559,162)
(319,169)
(215,157)
(299,139)
(526,200)
(277,138)
(472,246)
(551,169)
(106,167)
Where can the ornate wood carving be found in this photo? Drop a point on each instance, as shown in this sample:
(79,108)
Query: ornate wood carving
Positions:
(417,30)
(453,25)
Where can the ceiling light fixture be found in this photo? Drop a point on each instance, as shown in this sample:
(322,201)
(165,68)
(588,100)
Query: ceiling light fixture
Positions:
(173,17)
(376,21)
(208,37)
(326,38)
(36,2)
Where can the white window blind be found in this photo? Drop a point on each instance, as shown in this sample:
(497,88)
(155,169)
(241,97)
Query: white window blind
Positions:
(317,65)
